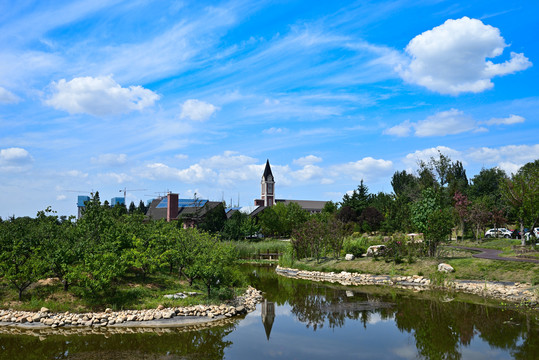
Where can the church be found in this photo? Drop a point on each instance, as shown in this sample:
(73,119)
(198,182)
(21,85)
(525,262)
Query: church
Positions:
(267,198)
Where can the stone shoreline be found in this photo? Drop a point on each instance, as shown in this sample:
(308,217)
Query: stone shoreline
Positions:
(507,291)
(160,317)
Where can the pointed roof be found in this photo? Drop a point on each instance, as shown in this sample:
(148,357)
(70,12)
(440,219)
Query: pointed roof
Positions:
(267,171)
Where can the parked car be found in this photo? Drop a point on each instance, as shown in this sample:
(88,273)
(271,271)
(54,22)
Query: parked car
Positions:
(527,235)
(498,233)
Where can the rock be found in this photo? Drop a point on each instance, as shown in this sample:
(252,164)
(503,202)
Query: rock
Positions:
(349,257)
(375,250)
(44,310)
(160,307)
(240,309)
(108,310)
(443,267)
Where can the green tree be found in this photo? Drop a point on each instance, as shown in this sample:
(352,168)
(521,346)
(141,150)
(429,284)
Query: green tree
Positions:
(438,229)
(214,219)
(359,200)
(421,209)
(404,185)
(61,249)
(522,193)
(21,263)
(487,186)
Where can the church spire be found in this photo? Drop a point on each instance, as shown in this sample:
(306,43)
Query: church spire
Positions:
(267,172)
(268,186)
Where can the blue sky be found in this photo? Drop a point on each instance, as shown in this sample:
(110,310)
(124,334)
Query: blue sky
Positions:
(193,96)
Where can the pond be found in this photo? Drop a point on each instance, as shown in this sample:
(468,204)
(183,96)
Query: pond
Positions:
(307,320)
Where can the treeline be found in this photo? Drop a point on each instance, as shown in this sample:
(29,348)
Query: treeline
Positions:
(96,252)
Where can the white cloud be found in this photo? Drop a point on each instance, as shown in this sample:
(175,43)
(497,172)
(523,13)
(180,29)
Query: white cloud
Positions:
(367,169)
(307,160)
(109,159)
(401,130)
(445,123)
(512,119)
(99,96)
(15,159)
(229,160)
(273,131)
(308,172)
(119,178)
(440,124)
(197,110)
(451,58)
(181,156)
(7,97)
(61,197)
(75,173)
(515,154)
(193,174)
(412,159)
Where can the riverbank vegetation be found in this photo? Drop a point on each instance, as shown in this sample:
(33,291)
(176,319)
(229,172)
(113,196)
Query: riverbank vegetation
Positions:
(109,259)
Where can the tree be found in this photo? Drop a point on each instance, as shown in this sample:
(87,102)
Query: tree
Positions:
(438,229)
(20,260)
(478,216)
(269,222)
(522,192)
(404,184)
(132,208)
(421,209)
(212,263)
(359,199)
(142,208)
(457,179)
(370,219)
(214,220)
(61,250)
(487,185)
(461,207)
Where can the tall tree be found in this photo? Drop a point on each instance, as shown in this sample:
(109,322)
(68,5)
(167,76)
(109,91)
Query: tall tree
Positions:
(359,199)
(522,193)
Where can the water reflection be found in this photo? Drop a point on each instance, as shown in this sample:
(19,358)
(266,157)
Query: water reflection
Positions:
(268,316)
(307,320)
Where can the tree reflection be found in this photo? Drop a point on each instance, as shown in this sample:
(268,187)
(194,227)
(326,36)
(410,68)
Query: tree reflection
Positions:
(173,343)
(440,329)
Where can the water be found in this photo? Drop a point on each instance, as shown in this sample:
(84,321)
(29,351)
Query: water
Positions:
(307,320)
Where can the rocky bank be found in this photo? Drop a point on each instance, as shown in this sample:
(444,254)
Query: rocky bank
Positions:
(507,291)
(160,317)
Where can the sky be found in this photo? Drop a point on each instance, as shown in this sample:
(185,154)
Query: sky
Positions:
(193,97)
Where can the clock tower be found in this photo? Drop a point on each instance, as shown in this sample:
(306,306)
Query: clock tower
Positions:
(268,186)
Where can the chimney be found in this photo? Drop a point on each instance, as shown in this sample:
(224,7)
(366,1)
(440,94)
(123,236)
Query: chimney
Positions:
(172,206)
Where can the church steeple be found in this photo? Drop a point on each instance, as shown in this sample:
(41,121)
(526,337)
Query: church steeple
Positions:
(268,186)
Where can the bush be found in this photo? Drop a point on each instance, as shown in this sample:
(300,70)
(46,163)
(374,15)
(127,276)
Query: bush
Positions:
(355,246)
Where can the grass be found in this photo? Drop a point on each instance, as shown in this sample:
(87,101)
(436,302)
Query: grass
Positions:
(465,267)
(247,249)
(132,293)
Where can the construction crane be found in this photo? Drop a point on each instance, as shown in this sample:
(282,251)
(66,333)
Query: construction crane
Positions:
(125,190)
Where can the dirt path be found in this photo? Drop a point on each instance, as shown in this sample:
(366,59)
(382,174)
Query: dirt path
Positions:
(492,254)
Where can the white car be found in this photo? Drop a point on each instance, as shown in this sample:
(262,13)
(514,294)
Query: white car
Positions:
(498,233)
(528,234)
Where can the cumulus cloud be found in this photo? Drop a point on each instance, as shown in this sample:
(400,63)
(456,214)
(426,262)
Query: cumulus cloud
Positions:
(99,96)
(118,178)
(515,154)
(75,173)
(401,130)
(451,58)
(197,110)
(367,169)
(307,160)
(512,119)
(7,97)
(193,174)
(15,159)
(445,123)
(440,124)
(412,159)
(308,172)
(109,159)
